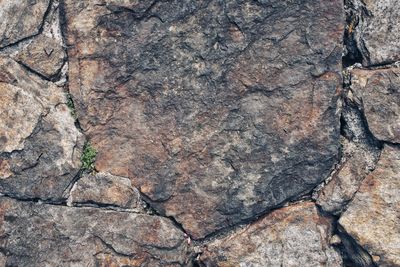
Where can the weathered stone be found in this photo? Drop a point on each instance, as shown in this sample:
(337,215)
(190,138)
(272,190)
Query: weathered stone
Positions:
(20,19)
(377,30)
(360,152)
(380,94)
(39,143)
(373,217)
(105,189)
(44,55)
(45,235)
(217,111)
(292,236)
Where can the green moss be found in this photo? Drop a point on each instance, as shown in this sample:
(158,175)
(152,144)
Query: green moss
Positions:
(88,157)
(70,104)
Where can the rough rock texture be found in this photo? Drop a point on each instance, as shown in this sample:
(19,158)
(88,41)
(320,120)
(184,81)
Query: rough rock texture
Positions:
(379,91)
(44,235)
(217,110)
(377,30)
(292,236)
(360,152)
(20,19)
(39,143)
(373,217)
(105,189)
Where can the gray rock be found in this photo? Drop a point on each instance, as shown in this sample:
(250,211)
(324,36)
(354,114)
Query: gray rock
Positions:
(377,30)
(291,236)
(40,146)
(373,217)
(379,91)
(46,235)
(105,189)
(217,111)
(20,19)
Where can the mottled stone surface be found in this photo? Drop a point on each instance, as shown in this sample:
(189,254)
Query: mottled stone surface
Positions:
(39,144)
(20,19)
(105,189)
(360,152)
(292,236)
(379,91)
(216,110)
(377,30)
(373,217)
(44,55)
(44,235)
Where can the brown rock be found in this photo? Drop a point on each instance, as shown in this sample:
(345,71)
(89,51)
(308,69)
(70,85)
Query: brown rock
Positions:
(20,19)
(46,235)
(292,236)
(373,217)
(44,55)
(380,94)
(105,189)
(39,144)
(216,111)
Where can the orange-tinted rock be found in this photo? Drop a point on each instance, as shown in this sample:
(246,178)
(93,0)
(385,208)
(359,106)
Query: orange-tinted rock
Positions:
(373,217)
(217,111)
(292,236)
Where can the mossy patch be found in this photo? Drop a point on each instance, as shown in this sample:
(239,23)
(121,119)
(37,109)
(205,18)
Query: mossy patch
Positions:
(71,106)
(88,157)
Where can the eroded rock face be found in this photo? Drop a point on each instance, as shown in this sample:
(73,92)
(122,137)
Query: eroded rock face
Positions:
(40,146)
(291,236)
(20,19)
(373,217)
(217,111)
(377,30)
(380,94)
(105,189)
(45,235)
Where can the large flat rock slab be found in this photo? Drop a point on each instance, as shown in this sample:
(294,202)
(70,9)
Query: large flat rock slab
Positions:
(35,234)
(291,236)
(373,217)
(40,147)
(216,110)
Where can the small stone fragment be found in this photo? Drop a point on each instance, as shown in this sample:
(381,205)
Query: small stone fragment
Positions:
(105,189)
(373,217)
(380,93)
(39,235)
(291,236)
(20,19)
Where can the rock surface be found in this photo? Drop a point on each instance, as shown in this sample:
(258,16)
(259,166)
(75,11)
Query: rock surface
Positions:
(379,91)
(377,30)
(40,146)
(45,235)
(373,217)
(292,236)
(105,189)
(21,19)
(217,111)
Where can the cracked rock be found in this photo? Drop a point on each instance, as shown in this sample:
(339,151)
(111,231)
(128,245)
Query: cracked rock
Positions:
(20,19)
(40,146)
(377,30)
(373,217)
(35,234)
(292,236)
(216,110)
(379,91)
(105,189)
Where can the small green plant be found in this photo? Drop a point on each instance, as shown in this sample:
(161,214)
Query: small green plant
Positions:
(71,106)
(88,157)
